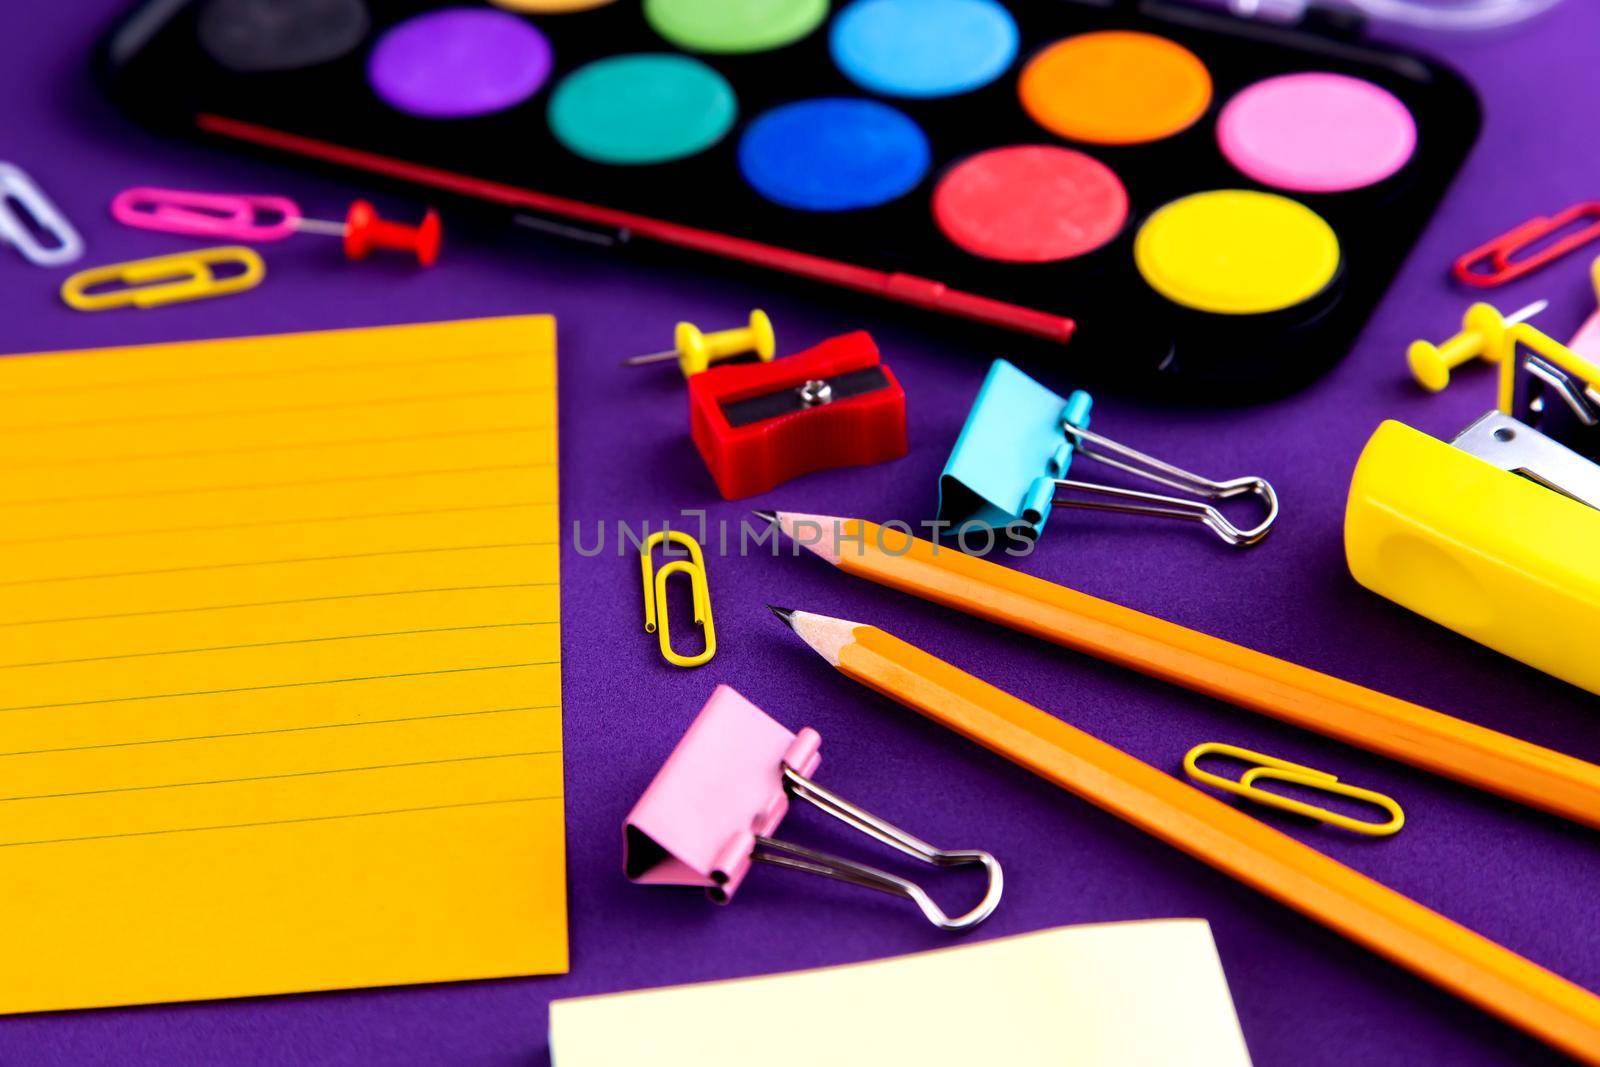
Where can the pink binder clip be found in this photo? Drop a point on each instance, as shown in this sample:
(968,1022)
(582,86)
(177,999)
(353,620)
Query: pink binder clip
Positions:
(711,809)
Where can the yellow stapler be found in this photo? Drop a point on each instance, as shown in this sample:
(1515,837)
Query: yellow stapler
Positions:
(1497,533)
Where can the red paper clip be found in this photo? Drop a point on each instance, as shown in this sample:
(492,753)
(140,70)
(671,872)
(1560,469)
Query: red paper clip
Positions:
(1497,252)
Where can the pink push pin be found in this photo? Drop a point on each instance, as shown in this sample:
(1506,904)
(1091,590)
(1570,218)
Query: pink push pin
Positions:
(711,810)
(272,218)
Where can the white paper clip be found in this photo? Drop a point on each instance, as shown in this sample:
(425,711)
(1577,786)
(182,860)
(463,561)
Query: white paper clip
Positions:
(18,193)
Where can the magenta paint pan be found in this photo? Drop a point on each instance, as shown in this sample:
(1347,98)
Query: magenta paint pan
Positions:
(1316,133)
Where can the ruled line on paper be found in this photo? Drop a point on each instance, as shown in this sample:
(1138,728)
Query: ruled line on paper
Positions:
(274,562)
(300,446)
(290,409)
(278,603)
(251,487)
(284,822)
(299,521)
(282,685)
(268,375)
(280,730)
(278,777)
(279,644)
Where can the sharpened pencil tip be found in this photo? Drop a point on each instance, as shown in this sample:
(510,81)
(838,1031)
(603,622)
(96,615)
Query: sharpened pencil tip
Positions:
(786,614)
(770,516)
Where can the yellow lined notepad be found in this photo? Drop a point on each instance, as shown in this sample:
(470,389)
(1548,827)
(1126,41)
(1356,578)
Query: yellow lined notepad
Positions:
(280,690)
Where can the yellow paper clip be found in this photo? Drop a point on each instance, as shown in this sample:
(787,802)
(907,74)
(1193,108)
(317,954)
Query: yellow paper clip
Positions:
(1277,770)
(161,280)
(655,596)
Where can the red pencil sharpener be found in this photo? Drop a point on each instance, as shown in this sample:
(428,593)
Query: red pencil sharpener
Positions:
(757,425)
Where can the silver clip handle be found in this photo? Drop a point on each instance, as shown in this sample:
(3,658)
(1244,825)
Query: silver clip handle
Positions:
(1136,502)
(799,858)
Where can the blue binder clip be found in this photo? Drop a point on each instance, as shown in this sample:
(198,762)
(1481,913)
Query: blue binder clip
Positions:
(1009,467)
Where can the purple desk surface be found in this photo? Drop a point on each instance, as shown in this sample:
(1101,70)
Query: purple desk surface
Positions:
(1304,995)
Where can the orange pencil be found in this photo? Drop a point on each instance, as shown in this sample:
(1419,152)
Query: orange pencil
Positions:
(1391,924)
(1477,756)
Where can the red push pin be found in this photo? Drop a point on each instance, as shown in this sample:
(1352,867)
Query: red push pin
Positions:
(363,230)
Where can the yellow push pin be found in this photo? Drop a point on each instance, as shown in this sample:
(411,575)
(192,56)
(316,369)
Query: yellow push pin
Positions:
(695,351)
(1482,330)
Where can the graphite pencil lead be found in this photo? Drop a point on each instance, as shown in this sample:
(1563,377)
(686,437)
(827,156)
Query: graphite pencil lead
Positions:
(786,614)
(770,516)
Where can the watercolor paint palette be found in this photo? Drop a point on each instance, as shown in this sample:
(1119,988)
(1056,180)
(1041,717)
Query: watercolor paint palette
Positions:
(1207,206)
